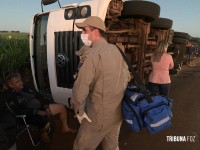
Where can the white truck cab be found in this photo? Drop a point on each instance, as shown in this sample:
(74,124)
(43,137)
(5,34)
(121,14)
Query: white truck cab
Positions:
(54,38)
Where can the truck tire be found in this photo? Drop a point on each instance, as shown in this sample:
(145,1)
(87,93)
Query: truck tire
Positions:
(182,35)
(148,11)
(178,40)
(162,23)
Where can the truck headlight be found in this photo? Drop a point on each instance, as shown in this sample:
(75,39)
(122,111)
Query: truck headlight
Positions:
(70,13)
(84,11)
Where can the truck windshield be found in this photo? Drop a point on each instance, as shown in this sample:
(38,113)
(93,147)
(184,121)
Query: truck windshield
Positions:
(40,53)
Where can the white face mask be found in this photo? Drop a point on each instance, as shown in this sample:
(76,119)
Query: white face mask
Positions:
(84,38)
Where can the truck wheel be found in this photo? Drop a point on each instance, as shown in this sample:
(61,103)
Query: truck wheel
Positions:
(148,11)
(182,35)
(162,23)
(178,40)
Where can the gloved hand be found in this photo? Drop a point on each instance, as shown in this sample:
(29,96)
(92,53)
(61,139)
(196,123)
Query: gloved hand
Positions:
(80,118)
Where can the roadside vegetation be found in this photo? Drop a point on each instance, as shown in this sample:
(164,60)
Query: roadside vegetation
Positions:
(13,35)
(14,52)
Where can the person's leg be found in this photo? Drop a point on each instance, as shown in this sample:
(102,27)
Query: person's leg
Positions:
(3,139)
(44,133)
(89,136)
(59,109)
(187,58)
(13,147)
(189,61)
(43,123)
(164,89)
(153,88)
(38,121)
(110,142)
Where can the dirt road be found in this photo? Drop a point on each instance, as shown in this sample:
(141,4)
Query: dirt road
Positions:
(185,91)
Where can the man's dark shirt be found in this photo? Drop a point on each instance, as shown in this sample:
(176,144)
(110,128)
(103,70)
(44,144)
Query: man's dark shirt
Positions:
(26,101)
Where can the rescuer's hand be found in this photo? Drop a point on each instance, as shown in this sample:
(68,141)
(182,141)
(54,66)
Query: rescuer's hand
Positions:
(84,116)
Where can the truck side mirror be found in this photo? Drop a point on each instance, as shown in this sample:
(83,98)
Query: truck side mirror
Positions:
(47,2)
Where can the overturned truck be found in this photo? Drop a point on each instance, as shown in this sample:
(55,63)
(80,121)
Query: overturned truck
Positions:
(178,50)
(54,38)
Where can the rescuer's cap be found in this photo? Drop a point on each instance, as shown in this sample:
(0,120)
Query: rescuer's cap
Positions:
(92,21)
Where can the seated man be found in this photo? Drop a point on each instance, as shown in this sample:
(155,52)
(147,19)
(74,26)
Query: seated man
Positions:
(8,126)
(33,104)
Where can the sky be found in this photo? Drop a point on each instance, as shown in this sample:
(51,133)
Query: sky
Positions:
(15,15)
